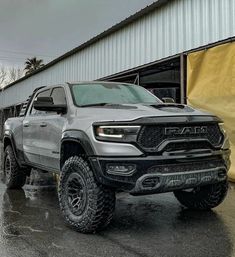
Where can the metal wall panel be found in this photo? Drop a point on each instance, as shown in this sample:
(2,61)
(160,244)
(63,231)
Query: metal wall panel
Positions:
(173,28)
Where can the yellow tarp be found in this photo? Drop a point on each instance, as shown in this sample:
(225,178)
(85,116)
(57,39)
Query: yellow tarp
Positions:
(211,86)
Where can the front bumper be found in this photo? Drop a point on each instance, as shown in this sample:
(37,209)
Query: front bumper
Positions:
(158,174)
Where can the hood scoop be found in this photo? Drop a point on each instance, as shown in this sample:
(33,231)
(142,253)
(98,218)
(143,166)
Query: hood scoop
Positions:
(120,106)
(172,107)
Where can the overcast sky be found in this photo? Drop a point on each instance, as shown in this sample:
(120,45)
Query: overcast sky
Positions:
(49,28)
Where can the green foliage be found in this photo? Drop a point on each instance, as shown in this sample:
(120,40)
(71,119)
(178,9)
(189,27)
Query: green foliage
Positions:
(33,64)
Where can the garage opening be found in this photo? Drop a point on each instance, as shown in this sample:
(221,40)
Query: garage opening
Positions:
(162,79)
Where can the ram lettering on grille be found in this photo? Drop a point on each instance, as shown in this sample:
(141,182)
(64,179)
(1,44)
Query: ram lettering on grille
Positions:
(185,130)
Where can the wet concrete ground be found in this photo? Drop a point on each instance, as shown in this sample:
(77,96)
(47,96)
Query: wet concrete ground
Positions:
(31,225)
(148,226)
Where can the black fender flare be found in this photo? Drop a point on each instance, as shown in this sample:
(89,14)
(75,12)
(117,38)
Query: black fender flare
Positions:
(79,137)
(8,135)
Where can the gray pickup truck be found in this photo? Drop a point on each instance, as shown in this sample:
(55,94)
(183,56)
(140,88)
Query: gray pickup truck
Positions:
(104,137)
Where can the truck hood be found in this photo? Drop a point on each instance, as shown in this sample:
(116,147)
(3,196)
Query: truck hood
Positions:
(129,112)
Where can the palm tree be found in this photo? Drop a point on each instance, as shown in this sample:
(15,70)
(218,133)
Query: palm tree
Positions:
(33,64)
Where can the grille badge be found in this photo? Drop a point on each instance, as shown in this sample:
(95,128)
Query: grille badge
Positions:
(170,131)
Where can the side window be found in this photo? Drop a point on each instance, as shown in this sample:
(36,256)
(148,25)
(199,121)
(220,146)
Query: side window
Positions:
(58,95)
(41,94)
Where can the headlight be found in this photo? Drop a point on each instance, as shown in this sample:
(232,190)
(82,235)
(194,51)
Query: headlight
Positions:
(226,144)
(222,129)
(116,133)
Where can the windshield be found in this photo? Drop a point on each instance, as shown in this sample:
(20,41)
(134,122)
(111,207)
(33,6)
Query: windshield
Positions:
(111,93)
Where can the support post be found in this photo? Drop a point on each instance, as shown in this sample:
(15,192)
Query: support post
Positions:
(183,76)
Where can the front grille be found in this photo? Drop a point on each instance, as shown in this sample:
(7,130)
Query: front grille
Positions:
(152,136)
(186,167)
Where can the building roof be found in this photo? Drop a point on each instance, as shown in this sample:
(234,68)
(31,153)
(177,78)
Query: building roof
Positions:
(93,40)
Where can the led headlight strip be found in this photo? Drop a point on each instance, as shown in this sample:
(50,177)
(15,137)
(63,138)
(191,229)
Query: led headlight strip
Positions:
(226,143)
(116,132)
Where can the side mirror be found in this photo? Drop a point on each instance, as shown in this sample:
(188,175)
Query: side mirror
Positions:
(46,104)
(168,100)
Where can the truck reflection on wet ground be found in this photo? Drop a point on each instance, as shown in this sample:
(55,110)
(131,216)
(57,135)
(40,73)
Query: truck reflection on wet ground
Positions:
(31,225)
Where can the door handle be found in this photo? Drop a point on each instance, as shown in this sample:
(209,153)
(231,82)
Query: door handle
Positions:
(26,125)
(43,124)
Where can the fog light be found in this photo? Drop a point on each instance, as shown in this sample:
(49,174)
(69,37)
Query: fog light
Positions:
(150,182)
(222,174)
(121,169)
(227,160)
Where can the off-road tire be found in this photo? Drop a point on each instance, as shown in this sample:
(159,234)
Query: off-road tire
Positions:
(203,198)
(109,208)
(99,205)
(14,177)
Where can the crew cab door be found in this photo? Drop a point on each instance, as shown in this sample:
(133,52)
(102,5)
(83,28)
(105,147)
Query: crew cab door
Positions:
(31,131)
(51,132)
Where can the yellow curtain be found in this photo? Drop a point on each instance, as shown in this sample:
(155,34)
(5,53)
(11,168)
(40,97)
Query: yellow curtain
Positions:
(211,86)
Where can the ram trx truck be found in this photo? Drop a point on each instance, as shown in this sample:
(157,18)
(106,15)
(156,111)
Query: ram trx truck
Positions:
(104,137)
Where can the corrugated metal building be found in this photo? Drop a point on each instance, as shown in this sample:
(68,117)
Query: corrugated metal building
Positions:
(148,48)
